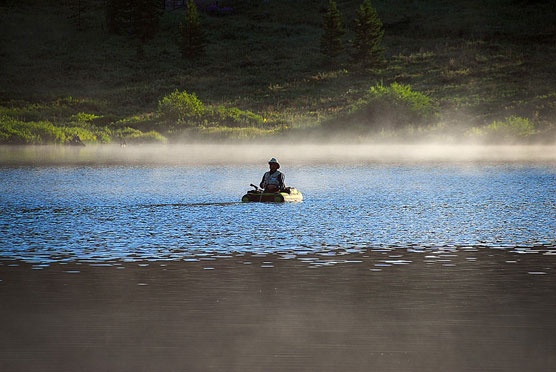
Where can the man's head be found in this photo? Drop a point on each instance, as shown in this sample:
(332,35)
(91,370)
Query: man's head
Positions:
(273,163)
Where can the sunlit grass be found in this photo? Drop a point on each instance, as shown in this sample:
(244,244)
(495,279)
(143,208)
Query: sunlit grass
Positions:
(510,128)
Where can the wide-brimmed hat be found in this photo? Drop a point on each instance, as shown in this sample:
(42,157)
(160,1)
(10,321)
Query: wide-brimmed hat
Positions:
(273,160)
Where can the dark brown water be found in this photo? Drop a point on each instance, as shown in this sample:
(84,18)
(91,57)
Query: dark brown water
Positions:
(487,310)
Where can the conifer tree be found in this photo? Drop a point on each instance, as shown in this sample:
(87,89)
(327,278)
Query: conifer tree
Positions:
(193,42)
(331,44)
(368,36)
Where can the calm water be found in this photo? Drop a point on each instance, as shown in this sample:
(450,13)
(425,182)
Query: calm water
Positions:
(384,266)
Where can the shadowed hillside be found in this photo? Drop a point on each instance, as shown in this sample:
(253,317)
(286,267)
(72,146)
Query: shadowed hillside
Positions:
(485,70)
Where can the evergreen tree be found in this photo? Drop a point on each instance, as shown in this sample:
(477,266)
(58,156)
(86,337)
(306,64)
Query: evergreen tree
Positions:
(368,36)
(331,42)
(193,41)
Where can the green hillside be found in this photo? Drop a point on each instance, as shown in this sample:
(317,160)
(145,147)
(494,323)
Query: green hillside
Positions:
(465,70)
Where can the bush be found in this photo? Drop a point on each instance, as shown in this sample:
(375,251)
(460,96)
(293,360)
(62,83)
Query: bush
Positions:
(392,107)
(16,132)
(187,110)
(182,108)
(13,131)
(513,127)
(136,136)
(82,118)
(235,117)
(89,135)
(53,111)
(227,133)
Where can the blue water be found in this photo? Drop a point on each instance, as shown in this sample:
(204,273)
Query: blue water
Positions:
(128,213)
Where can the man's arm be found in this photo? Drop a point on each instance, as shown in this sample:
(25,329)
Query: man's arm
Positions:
(282,181)
(261,185)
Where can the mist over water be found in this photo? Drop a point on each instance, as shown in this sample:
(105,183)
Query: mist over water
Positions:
(297,154)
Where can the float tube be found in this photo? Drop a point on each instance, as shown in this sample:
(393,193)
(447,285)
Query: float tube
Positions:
(290,195)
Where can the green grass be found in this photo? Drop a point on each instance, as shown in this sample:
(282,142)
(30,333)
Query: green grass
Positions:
(476,61)
(14,131)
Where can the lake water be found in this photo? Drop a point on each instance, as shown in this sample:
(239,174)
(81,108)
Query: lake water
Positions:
(110,261)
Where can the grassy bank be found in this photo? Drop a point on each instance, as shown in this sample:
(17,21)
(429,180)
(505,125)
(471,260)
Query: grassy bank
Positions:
(479,64)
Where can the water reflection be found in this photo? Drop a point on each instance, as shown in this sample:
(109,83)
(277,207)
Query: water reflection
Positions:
(383,309)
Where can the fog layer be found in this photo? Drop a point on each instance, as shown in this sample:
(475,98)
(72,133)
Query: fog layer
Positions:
(297,154)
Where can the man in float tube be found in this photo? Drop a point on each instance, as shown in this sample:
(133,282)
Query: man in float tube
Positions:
(273,180)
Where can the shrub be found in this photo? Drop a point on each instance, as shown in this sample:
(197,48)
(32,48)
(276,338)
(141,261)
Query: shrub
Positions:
(512,127)
(83,118)
(227,133)
(13,131)
(182,108)
(136,136)
(235,117)
(89,135)
(187,110)
(59,110)
(18,132)
(393,107)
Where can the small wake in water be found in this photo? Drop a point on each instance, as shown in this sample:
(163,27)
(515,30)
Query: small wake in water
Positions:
(222,204)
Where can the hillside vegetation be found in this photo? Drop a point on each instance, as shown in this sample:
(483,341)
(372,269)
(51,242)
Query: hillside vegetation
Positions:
(461,70)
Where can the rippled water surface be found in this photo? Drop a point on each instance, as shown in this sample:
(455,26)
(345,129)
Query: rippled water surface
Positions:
(389,266)
(100,213)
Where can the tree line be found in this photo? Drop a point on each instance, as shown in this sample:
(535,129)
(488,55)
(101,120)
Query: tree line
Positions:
(365,47)
(140,20)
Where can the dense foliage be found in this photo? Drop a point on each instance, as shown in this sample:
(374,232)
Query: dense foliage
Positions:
(182,108)
(58,122)
(186,110)
(389,107)
(510,128)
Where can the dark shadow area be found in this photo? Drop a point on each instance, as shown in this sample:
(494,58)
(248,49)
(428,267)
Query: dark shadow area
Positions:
(253,313)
